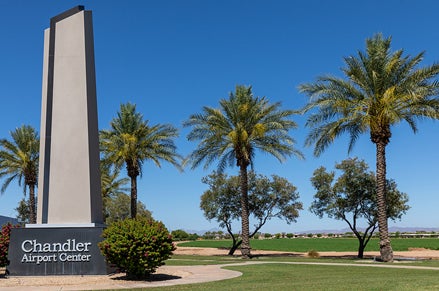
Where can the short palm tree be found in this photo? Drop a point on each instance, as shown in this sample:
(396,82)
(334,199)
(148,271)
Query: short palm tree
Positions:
(19,161)
(131,142)
(233,133)
(381,88)
(111,185)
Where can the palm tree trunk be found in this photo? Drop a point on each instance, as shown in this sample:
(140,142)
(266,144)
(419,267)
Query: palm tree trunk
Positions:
(133,196)
(32,217)
(385,246)
(245,246)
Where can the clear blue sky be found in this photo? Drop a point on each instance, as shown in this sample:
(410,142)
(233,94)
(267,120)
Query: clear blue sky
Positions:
(173,57)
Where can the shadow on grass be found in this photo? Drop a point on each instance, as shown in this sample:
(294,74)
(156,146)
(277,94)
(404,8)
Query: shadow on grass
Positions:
(277,255)
(150,278)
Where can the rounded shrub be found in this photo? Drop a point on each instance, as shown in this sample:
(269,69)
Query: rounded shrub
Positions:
(313,254)
(137,246)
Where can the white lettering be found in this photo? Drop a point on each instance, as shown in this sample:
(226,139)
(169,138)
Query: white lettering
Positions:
(70,245)
(38,259)
(64,257)
(80,247)
(86,245)
(24,246)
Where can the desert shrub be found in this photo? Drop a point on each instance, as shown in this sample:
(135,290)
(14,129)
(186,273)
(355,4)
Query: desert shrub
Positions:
(313,254)
(290,235)
(4,243)
(137,246)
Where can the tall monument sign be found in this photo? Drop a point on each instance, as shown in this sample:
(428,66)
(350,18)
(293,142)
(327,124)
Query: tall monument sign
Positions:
(69,213)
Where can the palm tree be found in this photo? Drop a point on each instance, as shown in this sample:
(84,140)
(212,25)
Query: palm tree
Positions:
(233,133)
(111,185)
(382,88)
(131,142)
(19,161)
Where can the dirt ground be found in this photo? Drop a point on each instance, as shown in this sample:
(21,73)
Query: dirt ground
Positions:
(412,253)
(165,274)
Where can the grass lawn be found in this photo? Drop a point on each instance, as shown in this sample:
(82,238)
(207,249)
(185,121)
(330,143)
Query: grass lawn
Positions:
(314,277)
(321,244)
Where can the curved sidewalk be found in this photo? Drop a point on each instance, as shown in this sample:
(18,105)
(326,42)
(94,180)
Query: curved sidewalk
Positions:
(180,275)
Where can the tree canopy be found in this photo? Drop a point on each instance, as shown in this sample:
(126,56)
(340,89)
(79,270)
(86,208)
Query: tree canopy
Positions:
(381,88)
(268,198)
(234,132)
(19,159)
(352,198)
(131,141)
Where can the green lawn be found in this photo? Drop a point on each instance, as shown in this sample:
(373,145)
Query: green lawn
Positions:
(321,244)
(314,277)
(279,274)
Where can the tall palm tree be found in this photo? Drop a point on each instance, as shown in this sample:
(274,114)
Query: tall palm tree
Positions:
(131,142)
(19,161)
(233,133)
(381,88)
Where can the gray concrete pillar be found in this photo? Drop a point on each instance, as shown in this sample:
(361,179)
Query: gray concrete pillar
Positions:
(69,188)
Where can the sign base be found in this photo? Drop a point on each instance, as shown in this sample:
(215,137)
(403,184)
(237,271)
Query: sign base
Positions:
(56,251)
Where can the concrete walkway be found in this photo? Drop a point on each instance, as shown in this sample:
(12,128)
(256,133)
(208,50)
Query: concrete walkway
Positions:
(180,275)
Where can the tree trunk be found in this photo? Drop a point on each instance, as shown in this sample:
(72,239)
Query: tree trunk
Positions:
(385,247)
(133,196)
(234,247)
(245,233)
(361,247)
(32,216)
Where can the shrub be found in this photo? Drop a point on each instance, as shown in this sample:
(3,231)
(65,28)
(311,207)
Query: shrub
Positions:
(4,243)
(267,235)
(137,246)
(313,254)
(290,235)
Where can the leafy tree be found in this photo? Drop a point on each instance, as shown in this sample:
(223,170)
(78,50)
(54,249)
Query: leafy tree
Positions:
(352,197)
(381,88)
(118,208)
(131,142)
(19,161)
(180,235)
(23,211)
(268,198)
(233,133)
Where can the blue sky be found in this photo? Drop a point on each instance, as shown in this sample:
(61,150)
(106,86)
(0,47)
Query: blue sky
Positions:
(173,57)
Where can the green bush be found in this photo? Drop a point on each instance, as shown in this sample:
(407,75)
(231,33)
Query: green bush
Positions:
(137,246)
(313,254)
(4,243)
